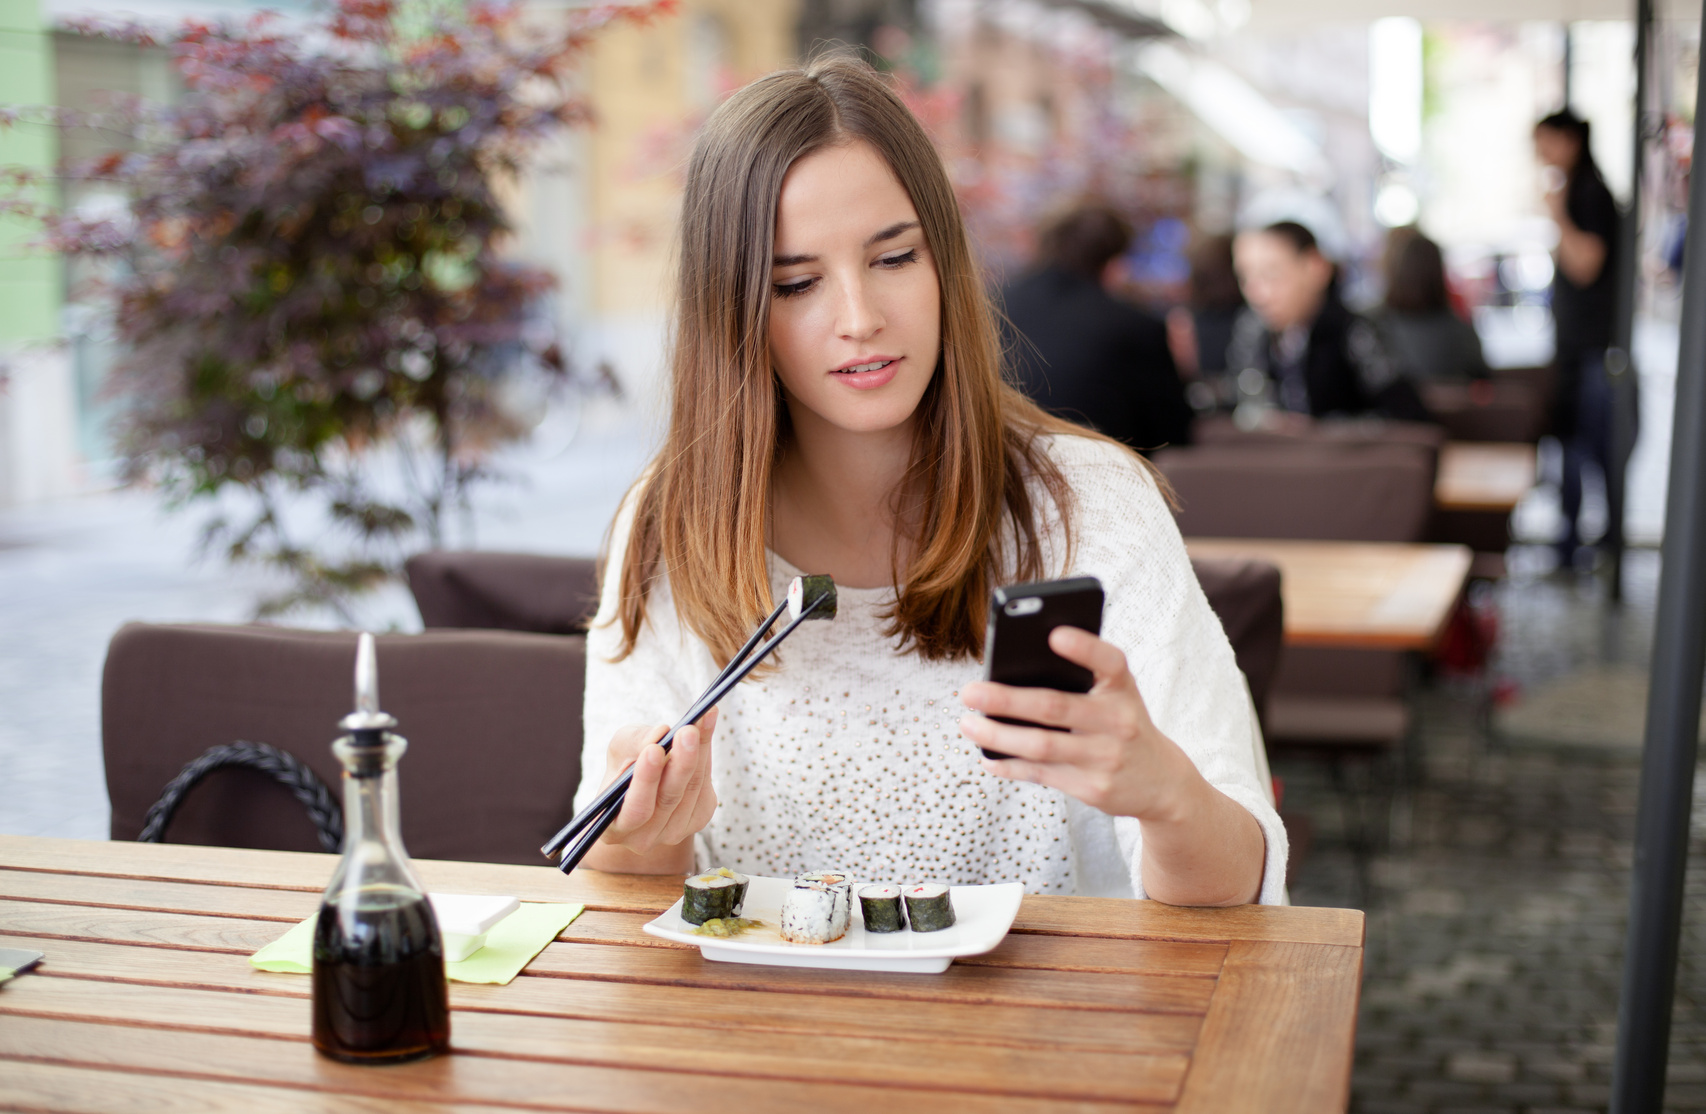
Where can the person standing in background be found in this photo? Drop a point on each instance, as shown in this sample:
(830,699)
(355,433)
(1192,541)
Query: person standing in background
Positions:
(1583,306)
(1423,335)
(1083,354)
(1315,355)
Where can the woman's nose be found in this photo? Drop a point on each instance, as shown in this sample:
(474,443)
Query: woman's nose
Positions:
(858,316)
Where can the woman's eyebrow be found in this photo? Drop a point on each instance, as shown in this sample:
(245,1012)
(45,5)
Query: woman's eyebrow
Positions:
(888,233)
(891,232)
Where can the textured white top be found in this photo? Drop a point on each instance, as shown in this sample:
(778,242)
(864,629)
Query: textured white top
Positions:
(849,756)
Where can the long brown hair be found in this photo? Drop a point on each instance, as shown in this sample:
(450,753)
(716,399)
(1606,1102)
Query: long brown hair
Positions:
(702,510)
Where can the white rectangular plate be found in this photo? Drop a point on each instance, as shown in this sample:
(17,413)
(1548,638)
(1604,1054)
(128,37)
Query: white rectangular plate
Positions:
(983,914)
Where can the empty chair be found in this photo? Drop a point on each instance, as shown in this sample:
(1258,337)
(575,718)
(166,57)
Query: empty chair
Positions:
(493,721)
(1321,491)
(1346,705)
(1491,410)
(1245,596)
(504,591)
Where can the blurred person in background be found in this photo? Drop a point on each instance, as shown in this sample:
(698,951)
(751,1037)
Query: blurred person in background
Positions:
(1083,354)
(1200,331)
(1583,305)
(1317,357)
(1423,334)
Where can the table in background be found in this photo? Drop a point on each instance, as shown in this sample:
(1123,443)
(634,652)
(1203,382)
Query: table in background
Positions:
(1483,476)
(147,1001)
(1357,595)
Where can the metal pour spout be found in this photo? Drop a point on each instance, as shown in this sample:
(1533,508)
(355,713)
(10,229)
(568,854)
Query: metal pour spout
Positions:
(367,716)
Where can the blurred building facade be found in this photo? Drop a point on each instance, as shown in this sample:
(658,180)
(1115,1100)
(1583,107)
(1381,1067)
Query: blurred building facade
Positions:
(1190,116)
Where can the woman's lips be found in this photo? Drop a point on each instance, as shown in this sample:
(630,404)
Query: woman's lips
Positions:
(868,380)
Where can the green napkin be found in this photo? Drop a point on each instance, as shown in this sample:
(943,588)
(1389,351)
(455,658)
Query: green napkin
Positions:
(6,973)
(510,945)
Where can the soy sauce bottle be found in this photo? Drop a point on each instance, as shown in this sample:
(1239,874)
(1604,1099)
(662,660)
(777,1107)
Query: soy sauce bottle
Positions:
(379,990)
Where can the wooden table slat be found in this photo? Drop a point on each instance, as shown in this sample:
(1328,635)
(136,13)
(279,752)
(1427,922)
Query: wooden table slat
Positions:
(683,1007)
(1264,1049)
(960,983)
(1151,920)
(825,1056)
(1131,954)
(287,1075)
(84,1088)
(299,870)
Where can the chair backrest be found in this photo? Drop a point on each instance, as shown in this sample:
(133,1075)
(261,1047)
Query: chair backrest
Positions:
(1500,410)
(493,721)
(504,591)
(1245,595)
(1219,429)
(1322,491)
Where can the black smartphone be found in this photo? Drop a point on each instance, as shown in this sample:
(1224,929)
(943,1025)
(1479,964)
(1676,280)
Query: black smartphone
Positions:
(1015,647)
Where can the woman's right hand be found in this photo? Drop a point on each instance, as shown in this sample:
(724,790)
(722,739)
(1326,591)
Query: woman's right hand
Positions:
(670,799)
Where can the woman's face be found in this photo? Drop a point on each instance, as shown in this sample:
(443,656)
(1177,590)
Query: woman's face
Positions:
(1283,285)
(855,310)
(1556,147)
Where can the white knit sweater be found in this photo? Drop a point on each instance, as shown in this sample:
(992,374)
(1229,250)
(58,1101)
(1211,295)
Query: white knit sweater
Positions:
(849,756)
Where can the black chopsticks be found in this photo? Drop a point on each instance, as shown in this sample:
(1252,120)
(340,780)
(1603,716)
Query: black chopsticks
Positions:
(592,821)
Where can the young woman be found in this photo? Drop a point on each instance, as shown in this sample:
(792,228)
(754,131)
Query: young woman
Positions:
(1584,307)
(838,408)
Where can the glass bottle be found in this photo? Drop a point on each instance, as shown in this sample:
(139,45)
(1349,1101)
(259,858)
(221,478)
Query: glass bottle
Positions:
(379,990)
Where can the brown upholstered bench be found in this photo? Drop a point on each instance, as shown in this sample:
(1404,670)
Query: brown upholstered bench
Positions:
(493,720)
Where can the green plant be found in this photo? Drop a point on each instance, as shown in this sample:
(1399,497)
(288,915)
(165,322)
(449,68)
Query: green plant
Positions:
(305,273)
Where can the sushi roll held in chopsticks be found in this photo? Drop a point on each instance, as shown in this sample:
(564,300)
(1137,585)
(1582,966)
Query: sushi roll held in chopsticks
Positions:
(881,906)
(928,907)
(818,909)
(718,894)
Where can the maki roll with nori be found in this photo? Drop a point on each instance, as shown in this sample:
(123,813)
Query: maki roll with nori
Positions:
(881,906)
(928,907)
(818,909)
(718,894)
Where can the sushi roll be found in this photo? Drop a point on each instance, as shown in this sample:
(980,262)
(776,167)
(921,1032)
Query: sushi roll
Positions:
(928,907)
(713,895)
(882,908)
(818,909)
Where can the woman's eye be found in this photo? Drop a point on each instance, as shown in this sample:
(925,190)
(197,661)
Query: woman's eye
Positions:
(901,260)
(790,289)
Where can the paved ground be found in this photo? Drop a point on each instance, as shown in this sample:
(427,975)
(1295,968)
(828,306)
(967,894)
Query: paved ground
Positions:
(1496,920)
(71,573)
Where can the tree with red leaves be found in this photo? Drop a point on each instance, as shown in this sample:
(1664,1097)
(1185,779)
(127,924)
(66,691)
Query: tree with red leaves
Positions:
(307,268)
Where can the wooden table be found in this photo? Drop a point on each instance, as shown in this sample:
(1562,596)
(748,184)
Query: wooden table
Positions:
(1359,595)
(146,1001)
(1483,476)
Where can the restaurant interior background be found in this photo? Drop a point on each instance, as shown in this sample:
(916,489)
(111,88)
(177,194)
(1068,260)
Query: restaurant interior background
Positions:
(1496,890)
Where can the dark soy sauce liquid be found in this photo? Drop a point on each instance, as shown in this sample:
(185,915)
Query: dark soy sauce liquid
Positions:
(379,990)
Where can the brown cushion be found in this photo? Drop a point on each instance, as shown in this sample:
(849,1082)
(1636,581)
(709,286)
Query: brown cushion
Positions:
(1329,670)
(504,591)
(1344,491)
(1336,722)
(1219,429)
(1496,411)
(1245,595)
(493,721)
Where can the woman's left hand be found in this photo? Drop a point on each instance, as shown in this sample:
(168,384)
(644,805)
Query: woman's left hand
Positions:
(1100,746)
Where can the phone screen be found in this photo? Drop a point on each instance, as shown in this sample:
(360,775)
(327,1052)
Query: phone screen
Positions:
(1016,650)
